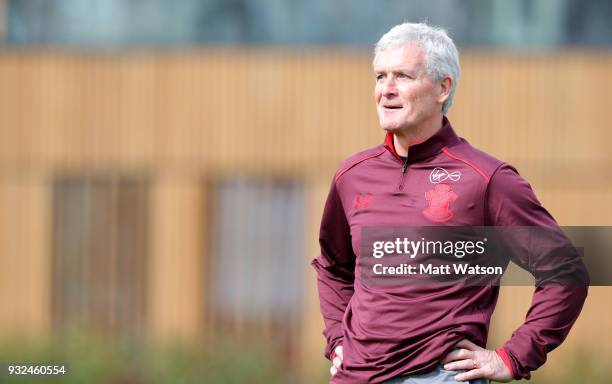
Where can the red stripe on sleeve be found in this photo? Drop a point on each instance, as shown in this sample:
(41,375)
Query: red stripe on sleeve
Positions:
(504,356)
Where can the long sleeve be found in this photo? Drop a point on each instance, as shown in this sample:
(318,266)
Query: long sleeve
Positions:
(555,306)
(335,269)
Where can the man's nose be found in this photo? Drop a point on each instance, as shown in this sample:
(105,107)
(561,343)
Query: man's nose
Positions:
(389,87)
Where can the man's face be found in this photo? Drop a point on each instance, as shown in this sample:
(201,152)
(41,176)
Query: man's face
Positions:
(406,96)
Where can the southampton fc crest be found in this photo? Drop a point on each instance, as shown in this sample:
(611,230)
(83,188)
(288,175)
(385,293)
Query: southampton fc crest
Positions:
(439,200)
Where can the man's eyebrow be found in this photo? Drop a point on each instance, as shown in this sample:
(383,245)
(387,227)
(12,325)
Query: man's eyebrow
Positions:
(397,70)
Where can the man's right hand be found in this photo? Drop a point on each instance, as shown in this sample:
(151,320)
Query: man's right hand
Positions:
(336,360)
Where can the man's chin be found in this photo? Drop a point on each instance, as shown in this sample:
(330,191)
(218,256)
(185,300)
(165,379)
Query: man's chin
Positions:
(391,128)
(398,128)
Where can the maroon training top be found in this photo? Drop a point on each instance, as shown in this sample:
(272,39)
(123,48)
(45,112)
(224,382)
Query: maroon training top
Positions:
(386,333)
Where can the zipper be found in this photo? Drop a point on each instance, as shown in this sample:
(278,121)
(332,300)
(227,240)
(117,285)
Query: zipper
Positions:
(400,187)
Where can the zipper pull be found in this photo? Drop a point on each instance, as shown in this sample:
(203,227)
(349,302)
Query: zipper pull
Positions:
(405,165)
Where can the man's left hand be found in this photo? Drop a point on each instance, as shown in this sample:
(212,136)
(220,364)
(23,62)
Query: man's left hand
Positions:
(477,362)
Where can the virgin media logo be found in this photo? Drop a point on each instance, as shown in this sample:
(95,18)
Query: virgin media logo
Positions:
(439,175)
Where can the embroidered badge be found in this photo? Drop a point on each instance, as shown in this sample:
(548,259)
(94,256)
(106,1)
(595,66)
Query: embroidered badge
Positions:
(439,200)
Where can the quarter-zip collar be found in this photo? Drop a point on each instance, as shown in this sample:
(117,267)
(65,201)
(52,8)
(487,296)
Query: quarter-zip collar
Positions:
(444,137)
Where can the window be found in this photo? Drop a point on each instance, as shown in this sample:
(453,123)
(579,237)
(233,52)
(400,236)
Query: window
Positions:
(99,246)
(255,280)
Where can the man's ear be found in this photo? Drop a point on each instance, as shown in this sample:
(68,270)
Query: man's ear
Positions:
(445,88)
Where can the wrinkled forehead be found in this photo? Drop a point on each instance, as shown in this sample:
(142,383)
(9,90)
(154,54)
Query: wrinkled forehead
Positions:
(406,55)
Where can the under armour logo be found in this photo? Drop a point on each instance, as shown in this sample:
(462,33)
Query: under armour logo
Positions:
(439,175)
(363,201)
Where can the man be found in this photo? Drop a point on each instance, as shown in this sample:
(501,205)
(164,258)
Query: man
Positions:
(425,175)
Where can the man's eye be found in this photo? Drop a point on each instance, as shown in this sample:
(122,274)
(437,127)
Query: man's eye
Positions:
(404,76)
(379,77)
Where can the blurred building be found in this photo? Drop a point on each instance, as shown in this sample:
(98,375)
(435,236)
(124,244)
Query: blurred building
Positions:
(164,164)
(518,24)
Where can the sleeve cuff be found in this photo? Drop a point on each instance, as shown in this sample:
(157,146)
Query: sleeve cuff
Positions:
(504,356)
(330,349)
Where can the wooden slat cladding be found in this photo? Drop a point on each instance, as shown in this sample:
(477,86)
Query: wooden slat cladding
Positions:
(25,265)
(288,110)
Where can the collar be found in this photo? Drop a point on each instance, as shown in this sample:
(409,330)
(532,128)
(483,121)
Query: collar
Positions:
(444,137)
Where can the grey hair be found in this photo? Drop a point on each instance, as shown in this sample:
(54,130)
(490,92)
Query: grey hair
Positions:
(441,54)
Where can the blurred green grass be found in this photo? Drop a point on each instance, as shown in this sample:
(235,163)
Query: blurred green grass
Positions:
(104,360)
(98,359)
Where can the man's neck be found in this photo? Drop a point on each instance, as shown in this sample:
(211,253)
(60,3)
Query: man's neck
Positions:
(404,139)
